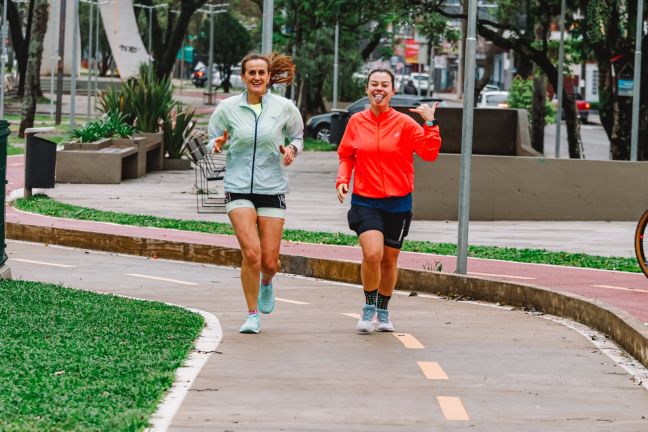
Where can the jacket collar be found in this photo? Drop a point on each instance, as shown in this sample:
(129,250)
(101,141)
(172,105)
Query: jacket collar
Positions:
(381,117)
(264,99)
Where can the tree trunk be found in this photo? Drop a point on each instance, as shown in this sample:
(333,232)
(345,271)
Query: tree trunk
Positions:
(41,12)
(489,64)
(22,55)
(539,112)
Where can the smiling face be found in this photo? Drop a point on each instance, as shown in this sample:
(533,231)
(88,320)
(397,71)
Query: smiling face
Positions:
(255,75)
(380,89)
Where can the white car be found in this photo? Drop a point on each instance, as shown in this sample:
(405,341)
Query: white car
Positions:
(493,99)
(420,80)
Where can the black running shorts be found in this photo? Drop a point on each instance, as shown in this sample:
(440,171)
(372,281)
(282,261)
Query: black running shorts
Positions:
(394,226)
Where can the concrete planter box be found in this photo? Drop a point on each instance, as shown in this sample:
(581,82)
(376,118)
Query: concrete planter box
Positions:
(529,188)
(176,164)
(95,145)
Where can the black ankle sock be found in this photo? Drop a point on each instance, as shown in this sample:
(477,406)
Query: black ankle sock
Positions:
(370,297)
(382,301)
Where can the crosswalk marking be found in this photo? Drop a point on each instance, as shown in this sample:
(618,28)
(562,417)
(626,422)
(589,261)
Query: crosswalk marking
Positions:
(297,302)
(432,370)
(452,408)
(43,263)
(408,340)
(161,279)
(612,287)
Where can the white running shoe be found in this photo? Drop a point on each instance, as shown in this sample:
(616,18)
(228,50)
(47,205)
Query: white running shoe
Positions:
(366,321)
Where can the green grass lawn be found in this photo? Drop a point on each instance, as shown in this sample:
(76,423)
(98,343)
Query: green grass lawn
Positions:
(76,360)
(44,205)
(311,144)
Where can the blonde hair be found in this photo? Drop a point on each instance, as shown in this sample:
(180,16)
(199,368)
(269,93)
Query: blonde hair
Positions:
(280,66)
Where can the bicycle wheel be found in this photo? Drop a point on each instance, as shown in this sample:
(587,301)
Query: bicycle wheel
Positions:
(641,243)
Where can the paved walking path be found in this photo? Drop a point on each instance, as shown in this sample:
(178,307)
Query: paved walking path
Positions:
(452,365)
(170,194)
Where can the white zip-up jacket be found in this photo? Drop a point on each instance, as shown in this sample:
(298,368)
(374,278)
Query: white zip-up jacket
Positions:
(254,162)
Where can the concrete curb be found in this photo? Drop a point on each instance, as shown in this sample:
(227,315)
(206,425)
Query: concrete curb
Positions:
(623,328)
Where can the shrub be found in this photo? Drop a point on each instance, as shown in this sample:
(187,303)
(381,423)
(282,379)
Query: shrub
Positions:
(176,130)
(521,96)
(111,125)
(151,99)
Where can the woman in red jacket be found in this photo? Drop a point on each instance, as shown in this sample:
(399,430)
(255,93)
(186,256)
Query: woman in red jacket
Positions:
(379,144)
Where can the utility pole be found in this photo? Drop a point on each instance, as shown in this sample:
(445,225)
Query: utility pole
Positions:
(634,141)
(4,31)
(268,19)
(211,10)
(59,77)
(335,64)
(75,60)
(561,73)
(467,139)
(150,26)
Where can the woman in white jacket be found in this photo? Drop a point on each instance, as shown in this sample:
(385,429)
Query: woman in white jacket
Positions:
(257,125)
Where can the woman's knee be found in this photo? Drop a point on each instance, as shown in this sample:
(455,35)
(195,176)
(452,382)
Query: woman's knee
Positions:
(372,255)
(252,257)
(270,264)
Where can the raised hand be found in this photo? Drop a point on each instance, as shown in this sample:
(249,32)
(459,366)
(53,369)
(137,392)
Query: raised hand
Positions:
(426,111)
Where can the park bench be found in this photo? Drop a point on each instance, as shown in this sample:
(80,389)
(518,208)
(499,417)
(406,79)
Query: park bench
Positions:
(107,165)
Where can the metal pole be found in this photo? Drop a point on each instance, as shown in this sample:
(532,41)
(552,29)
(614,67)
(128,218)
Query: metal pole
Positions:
(150,9)
(75,59)
(561,61)
(54,56)
(402,84)
(4,54)
(210,67)
(95,68)
(634,142)
(467,139)
(335,64)
(90,64)
(266,40)
(59,77)
(430,92)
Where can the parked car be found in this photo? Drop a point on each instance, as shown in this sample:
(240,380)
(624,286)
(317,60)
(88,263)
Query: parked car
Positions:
(493,99)
(319,126)
(420,80)
(582,106)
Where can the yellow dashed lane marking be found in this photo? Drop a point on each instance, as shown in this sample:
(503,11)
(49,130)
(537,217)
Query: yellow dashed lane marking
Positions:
(612,287)
(408,340)
(501,275)
(161,279)
(297,302)
(432,370)
(452,408)
(352,315)
(43,263)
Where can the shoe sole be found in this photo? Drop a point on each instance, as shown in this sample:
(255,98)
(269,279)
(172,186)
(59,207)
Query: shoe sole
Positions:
(385,330)
(250,331)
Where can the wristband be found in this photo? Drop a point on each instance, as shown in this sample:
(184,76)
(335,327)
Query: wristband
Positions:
(431,123)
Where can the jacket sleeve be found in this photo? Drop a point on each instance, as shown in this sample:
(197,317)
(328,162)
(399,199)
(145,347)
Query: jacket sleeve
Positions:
(294,128)
(426,141)
(217,125)
(346,153)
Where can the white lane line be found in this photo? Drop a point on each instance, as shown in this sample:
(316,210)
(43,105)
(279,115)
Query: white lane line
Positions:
(297,302)
(42,263)
(408,340)
(501,275)
(432,370)
(161,279)
(452,408)
(185,375)
(612,287)
(352,315)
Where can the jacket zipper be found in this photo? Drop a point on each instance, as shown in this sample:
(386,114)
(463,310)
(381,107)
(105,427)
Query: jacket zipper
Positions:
(256,126)
(382,177)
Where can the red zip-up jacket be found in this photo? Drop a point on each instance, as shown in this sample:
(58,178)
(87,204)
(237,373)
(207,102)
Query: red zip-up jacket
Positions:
(381,149)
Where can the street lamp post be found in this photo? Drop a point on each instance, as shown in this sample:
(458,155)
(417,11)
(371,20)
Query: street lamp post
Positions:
(150,29)
(211,10)
(561,61)
(266,32)
(467,139)
(335,64)
(4,32)
(634,134)
(73,78)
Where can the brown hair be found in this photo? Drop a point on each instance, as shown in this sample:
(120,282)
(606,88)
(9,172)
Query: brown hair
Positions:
(387,71)
(281,67)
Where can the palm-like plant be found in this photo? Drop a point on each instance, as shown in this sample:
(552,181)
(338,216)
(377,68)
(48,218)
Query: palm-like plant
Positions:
(176,131)
(151,99)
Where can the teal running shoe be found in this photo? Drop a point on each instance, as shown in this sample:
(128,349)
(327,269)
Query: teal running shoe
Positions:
(266,301)
(252,324)
(384,324)
(366,321)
